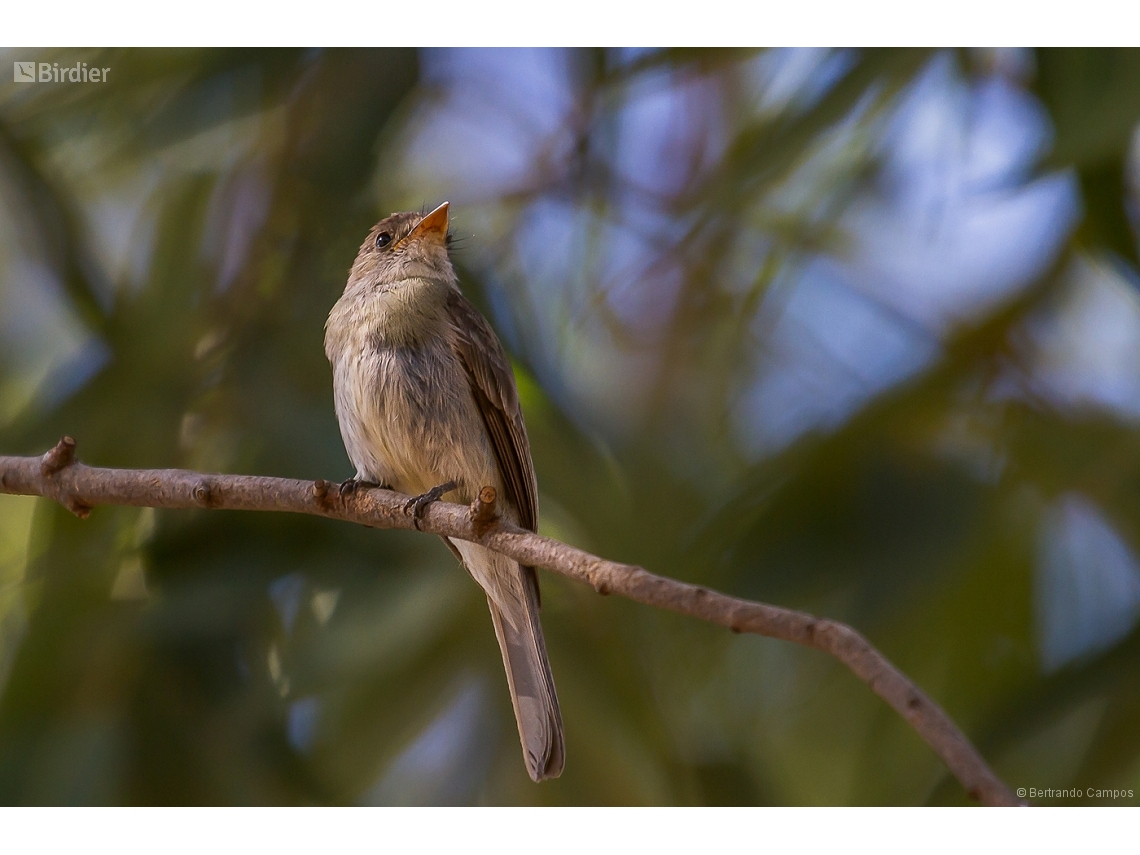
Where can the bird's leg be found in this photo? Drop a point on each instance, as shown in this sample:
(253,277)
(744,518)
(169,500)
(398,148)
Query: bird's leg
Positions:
(350,486)
(416,506)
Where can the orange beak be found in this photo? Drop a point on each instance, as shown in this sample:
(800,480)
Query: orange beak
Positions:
(432,227)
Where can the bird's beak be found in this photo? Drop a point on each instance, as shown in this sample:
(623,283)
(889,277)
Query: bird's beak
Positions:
(433,227)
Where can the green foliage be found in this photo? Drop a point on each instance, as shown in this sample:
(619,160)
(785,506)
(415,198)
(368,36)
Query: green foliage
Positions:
(173,243)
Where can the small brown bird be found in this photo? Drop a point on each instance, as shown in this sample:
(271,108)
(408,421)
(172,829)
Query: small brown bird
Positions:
(427,405)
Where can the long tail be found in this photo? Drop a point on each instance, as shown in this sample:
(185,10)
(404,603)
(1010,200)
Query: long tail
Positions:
(532,687)
(512,596)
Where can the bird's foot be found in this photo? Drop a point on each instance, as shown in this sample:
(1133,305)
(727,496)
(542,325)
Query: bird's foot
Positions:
(418,505)
(349,487)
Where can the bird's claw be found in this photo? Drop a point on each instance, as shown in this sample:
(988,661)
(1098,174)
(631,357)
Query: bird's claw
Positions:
(350,486)
(417,505)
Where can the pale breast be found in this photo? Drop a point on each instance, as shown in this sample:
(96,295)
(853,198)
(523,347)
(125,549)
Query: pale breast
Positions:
(409,420)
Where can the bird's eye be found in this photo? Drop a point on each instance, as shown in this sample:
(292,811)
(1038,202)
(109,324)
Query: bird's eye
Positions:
(383,239)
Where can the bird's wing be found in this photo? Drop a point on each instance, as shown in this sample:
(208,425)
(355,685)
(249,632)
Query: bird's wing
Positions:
(493,385)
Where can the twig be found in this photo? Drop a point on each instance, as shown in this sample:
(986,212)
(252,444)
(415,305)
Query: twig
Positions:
(56,475)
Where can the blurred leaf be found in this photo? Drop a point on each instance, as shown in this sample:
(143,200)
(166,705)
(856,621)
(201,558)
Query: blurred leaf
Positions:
(197,216)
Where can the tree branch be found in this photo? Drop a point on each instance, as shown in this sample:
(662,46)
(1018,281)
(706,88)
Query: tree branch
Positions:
(56,475)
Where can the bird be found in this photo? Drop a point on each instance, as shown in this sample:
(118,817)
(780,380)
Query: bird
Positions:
(427,405)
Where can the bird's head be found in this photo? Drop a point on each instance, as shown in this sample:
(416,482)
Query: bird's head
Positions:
(403,248)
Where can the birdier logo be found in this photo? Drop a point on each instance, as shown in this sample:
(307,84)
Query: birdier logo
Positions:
(51,72)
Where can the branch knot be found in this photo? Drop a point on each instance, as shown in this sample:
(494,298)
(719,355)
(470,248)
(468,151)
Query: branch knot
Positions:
(483,514)
(321,491)
(203,494)
(58,458)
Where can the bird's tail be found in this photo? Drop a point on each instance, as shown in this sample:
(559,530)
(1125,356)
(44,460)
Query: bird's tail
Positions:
(512,596)
(531,684)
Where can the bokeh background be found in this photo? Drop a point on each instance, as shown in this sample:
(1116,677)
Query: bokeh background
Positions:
(851,331)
